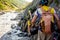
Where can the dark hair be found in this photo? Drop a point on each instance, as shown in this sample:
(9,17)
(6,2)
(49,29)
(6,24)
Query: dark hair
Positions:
(43,2)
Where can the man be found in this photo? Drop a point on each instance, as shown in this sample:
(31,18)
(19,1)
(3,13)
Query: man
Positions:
(45,13)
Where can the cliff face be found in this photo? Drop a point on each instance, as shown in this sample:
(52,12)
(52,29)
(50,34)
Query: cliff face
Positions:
(35,3)
(32,6)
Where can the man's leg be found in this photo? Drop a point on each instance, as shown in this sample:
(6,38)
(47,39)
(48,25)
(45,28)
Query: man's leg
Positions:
(35,37)
(41,35)
(48,37)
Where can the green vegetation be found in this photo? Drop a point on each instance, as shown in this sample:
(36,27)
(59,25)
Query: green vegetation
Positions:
(20,4)
(12,4)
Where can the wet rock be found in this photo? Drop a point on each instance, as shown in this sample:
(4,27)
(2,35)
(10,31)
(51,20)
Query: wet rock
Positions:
(15,34)
(9,33)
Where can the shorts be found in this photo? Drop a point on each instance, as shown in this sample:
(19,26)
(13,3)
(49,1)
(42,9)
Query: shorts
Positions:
(42,36)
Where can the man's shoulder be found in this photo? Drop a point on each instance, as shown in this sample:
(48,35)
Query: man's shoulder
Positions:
(39,10)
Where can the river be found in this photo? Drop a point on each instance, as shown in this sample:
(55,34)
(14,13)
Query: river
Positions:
(6,22)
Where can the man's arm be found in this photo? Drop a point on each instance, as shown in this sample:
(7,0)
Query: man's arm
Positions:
(58,20)
(34,19)
(37,13)
(56,16)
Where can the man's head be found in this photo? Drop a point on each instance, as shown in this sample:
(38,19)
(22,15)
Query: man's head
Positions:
(43,2)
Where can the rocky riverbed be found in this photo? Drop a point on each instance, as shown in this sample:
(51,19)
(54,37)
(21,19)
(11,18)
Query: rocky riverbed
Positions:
(6,22)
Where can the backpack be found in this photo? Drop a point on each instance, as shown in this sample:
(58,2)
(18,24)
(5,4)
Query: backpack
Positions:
(45,20)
